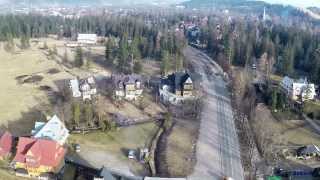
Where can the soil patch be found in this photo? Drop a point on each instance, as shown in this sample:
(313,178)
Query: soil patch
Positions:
(33,79)
(53,71)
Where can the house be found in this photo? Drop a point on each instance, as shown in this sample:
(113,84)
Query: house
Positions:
(87,39)
(6,141)
(74,86)
(84,87)
(54,130)
(298,89)
(176,87)
(308,151)
(179,83)
(129,87)
(39,156)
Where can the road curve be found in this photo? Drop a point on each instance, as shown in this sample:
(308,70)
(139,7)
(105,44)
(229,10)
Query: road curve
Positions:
(218,153)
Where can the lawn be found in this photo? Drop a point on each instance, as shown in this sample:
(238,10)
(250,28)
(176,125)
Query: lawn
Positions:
(110,149)
(286,115)
(176,152)
(127,137)
(19,98)
(179,153)
(4,174)
(69,172)
(287,132)
(312,109)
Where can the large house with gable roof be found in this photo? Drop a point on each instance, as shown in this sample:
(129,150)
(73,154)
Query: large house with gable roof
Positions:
(54,130)
(38,156)
(177,87)
(129,87)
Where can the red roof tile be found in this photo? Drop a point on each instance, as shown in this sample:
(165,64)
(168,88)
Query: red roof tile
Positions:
(41,152)
(5,143)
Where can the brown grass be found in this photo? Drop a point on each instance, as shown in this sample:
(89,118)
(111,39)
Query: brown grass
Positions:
(179,149)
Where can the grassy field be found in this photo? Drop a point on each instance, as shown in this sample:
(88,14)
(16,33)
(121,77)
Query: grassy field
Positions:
(175,153)
(5,175)
(286,115)
(69,172)
(127,137)
(18,98)
(110,149)
(287,132)
(312,109)
(179,153)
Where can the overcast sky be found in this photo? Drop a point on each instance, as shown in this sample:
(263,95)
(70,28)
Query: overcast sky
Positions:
(298,3)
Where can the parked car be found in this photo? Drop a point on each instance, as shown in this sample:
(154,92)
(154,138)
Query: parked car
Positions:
(132,154)
(77,148)
(281,172)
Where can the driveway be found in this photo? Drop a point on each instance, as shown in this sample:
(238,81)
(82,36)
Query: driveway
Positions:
(218,153)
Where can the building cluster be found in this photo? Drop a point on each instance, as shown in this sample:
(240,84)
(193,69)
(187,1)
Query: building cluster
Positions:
(298,89)
(124,87)
(40,155)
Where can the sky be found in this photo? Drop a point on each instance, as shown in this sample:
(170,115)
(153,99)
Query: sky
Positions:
(297,3)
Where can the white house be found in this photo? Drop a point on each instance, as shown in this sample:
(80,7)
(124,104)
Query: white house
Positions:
(74,86)
(129,87)
(87,38)
(83,87)
(297,89)
(54,130)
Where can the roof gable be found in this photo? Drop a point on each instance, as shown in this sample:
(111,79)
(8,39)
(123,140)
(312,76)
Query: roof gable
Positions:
(41,151)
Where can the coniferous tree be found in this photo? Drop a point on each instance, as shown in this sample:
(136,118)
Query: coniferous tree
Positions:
(76,113)
(78,60)
(108,52)
(165,62)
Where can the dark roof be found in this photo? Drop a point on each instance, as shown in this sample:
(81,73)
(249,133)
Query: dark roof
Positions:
(177,79)
(309,149)
(119,81)
(91,81)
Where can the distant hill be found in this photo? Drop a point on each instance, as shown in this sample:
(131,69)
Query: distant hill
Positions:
(255,6)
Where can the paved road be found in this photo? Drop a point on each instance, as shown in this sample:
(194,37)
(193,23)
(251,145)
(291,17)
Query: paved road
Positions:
(218,152)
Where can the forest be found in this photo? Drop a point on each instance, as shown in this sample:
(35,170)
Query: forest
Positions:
(290,50)
(139,36)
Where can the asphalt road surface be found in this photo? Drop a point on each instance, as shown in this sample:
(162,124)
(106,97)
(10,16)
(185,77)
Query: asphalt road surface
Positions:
(218,153)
